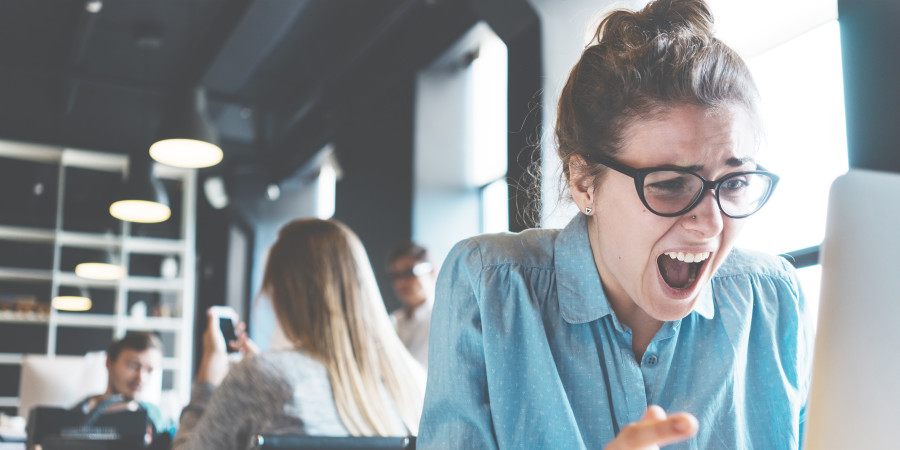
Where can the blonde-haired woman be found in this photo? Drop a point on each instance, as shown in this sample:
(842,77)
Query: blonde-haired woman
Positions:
(348,373)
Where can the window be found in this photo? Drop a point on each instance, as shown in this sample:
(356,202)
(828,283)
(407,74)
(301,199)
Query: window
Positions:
(803,111)
(488,117)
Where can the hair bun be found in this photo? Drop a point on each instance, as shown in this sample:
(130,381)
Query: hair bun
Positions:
(678,16)
(665,20)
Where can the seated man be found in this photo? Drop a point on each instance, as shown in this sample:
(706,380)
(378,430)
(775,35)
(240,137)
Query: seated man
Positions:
(131,363)
(413,278)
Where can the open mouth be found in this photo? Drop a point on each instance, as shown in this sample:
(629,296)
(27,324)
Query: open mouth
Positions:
(680,270)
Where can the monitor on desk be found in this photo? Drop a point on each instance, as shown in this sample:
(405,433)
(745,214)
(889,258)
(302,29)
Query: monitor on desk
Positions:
(855,392)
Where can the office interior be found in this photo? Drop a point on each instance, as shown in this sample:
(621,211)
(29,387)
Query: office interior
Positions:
(401,118)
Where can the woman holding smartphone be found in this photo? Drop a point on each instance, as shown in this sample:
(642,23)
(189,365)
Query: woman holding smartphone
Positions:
(347,373)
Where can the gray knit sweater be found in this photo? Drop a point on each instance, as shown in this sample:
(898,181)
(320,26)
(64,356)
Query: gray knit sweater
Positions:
(279,392)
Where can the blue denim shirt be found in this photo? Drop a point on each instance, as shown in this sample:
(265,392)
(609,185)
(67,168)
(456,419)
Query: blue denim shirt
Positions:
(525,352)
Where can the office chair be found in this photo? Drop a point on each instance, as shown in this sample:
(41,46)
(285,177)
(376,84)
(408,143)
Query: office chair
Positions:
(300,442)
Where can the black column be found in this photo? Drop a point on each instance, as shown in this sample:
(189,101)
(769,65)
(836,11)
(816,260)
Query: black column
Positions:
(870,53)
(374,147)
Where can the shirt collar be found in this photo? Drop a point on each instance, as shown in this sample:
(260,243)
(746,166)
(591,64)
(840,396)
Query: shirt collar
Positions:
(581,297)
(578,286)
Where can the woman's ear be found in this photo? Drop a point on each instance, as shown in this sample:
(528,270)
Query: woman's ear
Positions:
(581,184)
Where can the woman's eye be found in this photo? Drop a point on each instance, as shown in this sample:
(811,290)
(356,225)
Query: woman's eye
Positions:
(735,184)
(670,185)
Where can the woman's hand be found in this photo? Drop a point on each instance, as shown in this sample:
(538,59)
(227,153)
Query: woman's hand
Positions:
(655,429)
(215,363)
(243,343)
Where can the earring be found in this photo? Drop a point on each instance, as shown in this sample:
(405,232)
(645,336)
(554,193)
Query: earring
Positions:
(694,217)
(588,210)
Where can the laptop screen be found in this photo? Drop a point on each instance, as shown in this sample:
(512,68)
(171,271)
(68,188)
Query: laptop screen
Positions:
(855,392)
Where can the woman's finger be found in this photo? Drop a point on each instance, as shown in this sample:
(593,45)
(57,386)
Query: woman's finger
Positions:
(655,429)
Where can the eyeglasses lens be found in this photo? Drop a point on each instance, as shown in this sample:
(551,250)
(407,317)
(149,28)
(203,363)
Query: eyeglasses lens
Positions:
(671,192)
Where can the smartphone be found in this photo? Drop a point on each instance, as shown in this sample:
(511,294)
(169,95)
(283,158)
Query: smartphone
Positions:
(227,327)
(226,317)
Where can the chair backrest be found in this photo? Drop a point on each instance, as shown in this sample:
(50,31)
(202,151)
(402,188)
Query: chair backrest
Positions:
(63,381)
(302,442)
(60,381)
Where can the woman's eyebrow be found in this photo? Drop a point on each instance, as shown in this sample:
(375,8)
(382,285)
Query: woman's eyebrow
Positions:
(731,162)
(738,162)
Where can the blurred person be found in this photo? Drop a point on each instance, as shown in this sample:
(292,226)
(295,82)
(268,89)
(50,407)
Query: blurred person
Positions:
(413,278)
(347,372)
(132,362)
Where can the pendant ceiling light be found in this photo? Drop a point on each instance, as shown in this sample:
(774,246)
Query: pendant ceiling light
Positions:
(99,271)
(79,300)
(143,198)
(186,137)
(105,267)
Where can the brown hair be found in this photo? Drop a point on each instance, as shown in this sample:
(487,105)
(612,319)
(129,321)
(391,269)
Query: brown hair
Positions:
(407,249)
(324,294)
(134,340)
(639,64)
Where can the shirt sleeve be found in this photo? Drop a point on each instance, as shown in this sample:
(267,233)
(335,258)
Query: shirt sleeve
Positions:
(228,416)
(457,411)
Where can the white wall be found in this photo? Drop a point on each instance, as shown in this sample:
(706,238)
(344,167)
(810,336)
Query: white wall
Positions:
(446,205)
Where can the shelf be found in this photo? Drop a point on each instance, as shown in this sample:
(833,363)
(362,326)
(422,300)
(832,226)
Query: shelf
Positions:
(10,358)
(22,317)
(154,246)
(154,324)
(16,274)
(85,320)
(89,240)
(28,234)
(76,171)
(132,244)
(109,321)
(70,279)
(129,283)
(153,284)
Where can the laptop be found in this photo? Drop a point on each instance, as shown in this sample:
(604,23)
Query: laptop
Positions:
(855,392)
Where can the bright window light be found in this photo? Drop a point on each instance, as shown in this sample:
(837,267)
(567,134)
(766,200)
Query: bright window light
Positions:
(801,86)
(488,112)
(495,207)
(806,144)
(325,191)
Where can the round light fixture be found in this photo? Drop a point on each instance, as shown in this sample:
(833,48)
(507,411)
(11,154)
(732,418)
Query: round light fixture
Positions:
(187,153)
(142,211)
(99,271)
(71,303)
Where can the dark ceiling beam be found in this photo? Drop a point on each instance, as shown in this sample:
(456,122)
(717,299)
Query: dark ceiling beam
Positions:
(83,29)
(197,62)
(313,102)
(405,42)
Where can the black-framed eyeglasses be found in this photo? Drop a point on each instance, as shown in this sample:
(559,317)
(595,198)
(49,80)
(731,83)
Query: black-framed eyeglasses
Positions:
(670,192)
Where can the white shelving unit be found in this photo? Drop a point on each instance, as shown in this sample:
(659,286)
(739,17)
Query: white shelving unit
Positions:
(178,324)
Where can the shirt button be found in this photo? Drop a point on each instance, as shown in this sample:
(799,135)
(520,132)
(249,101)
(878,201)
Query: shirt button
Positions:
(651,359)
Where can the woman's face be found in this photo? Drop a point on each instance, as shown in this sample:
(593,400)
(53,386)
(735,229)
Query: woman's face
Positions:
(631,245)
